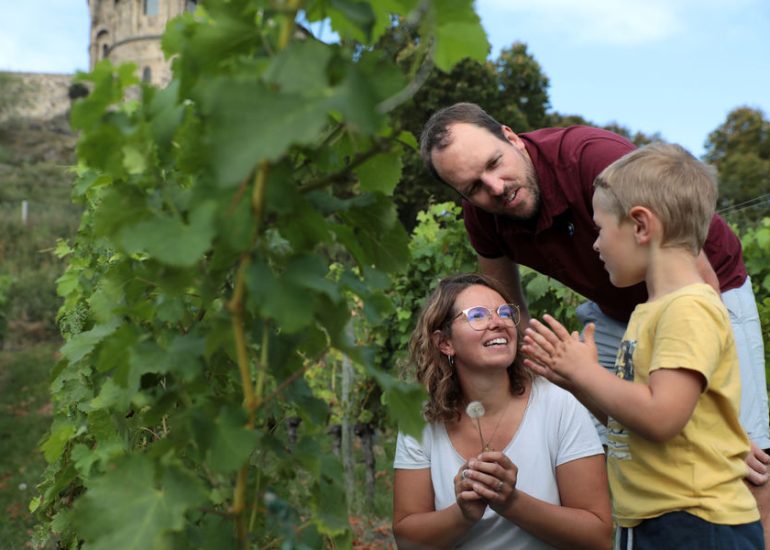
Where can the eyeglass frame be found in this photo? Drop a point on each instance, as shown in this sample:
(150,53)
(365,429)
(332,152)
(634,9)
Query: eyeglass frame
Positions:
(514,307)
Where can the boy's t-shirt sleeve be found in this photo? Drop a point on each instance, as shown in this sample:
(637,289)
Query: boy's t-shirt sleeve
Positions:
(690,334)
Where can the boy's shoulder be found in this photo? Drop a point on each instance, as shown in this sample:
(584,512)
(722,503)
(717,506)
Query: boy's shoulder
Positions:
(693,308)
(695,293)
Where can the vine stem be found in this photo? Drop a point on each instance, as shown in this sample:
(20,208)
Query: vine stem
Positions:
(235,307)
(236,313)
(292,6)
(252,394)
(259,386)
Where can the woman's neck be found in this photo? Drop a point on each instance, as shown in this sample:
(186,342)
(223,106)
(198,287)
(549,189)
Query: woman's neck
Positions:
(494,393)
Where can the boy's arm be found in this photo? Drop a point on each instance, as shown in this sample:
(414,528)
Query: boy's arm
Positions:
(657,411)
(533,350)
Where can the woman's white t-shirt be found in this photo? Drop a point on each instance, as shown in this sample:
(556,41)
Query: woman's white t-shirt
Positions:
(555,429)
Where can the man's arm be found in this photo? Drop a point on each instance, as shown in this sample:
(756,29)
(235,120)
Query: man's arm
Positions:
(506,272)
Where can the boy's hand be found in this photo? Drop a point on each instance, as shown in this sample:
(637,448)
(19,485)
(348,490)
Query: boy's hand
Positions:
(557,354)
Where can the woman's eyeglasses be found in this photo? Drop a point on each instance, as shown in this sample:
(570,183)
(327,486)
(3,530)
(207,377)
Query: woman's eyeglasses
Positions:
(479,317)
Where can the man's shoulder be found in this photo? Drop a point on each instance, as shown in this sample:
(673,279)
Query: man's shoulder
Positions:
(584,149)
(574,135)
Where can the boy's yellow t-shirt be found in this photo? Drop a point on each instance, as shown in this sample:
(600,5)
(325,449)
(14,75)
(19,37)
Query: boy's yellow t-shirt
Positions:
(701,469)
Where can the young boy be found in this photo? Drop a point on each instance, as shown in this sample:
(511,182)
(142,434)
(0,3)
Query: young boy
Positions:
(676,449)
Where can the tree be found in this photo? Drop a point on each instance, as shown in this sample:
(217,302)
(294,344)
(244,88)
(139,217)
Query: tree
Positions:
(637,138)
(559,120)
(739,148)
(522,84)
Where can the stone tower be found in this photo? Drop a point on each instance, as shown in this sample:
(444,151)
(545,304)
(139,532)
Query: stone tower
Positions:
(130,31)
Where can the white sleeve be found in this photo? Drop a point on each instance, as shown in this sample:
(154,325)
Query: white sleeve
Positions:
(410,454)
(577,434)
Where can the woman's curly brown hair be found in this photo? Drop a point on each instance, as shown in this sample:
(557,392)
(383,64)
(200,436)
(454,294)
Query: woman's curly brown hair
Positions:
(446,400)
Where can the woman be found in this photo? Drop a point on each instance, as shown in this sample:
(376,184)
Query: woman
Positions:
(528,472)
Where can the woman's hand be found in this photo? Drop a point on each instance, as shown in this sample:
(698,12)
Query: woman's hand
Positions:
(471,504)
(494,477)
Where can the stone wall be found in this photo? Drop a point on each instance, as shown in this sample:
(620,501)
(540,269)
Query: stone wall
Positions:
(41,96)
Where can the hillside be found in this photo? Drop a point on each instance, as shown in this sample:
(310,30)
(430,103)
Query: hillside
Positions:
(35,156)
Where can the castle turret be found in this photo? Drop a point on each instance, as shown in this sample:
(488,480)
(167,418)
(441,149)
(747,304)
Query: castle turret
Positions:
(130,31)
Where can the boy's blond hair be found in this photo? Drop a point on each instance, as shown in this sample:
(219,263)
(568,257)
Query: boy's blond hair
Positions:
(679,189)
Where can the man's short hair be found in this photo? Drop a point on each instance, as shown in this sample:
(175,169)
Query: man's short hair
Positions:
(436,135)
(679,189)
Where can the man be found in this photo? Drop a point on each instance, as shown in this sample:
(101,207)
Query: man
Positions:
(527,200)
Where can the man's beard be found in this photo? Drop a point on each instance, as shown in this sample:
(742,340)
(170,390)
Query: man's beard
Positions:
(533,186)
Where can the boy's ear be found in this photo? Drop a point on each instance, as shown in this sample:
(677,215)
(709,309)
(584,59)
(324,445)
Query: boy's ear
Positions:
(441,342)
(644,222)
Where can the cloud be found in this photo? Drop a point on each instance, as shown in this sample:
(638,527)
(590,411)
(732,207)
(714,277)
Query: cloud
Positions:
(610,22)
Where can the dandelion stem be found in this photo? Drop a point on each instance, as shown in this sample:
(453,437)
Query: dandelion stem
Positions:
(481,437)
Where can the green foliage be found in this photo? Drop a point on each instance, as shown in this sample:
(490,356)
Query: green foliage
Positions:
(199,291)
(546,295)
(24,420)
(6,284)
(637,138)
(439,247)
(740,150)
(523,82)
(35,173)
(756,252)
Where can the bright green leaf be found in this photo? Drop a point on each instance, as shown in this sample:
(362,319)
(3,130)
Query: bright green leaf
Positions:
(251,123)
(380,173)
(404,404)
(61,432)
(82,344)
(456,41)
(171,241)
(300,68)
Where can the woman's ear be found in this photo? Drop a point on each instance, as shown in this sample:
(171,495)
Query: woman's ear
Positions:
(644,221)
(442,342)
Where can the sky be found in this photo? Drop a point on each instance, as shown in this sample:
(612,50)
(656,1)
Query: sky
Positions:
(676,67)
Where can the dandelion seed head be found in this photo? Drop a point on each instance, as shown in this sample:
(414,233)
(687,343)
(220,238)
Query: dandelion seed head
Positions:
(475,409)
